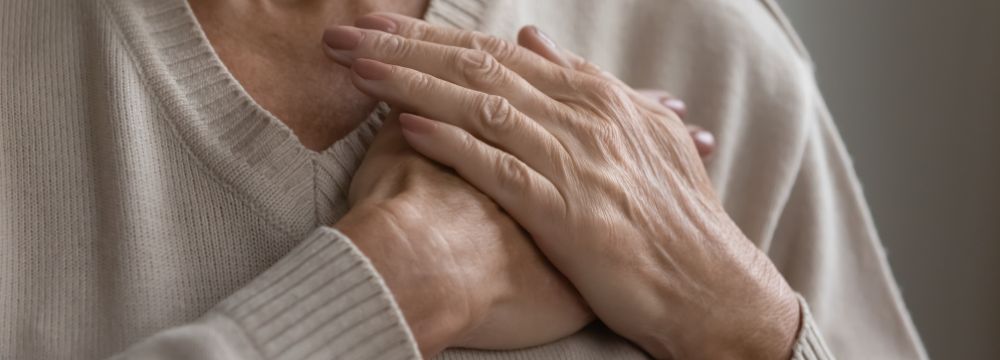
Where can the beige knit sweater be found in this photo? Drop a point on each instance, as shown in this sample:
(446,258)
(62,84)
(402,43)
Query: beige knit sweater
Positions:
(150,209)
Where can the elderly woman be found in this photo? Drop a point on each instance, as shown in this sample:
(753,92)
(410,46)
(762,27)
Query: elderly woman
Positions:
(212,181)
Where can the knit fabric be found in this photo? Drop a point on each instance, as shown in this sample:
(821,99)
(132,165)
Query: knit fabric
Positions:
(149,208)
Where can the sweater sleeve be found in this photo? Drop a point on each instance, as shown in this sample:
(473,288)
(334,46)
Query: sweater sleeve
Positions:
(809,344)
(826,245)
(324,299)
(781,166)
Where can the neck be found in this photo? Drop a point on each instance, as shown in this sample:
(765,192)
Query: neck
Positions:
(273,48)
(310,11)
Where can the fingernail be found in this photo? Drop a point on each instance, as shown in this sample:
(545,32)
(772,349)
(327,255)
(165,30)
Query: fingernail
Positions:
(342,37)
(704,137)
(704,141)
(550,51)
(415,124)
(677,105)
(340,41)
(371,69)
(375,22)
(545,38)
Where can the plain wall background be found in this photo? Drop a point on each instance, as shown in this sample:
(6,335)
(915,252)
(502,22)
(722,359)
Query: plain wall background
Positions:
(914,86)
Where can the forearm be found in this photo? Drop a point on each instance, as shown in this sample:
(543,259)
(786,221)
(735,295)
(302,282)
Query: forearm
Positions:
(323,289)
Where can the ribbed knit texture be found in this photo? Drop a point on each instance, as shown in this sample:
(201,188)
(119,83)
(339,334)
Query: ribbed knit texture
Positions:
(809,344)
(149,208)
(324,300)
(244,144)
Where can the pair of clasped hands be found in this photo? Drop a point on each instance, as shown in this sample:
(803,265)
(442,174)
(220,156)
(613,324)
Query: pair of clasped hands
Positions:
(517,192)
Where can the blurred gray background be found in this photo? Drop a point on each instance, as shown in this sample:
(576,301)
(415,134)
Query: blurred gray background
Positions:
(914,86)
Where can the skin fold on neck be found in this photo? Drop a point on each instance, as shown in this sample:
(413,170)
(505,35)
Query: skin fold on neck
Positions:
(274,49)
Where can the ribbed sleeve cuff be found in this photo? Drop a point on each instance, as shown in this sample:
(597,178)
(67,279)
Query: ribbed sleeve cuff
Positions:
(809,345)
(322,300)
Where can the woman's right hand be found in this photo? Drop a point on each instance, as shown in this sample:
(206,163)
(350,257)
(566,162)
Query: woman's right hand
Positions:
(463,273)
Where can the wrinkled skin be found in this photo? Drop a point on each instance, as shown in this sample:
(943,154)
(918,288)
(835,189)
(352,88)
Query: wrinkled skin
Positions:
(609,185)
(408,211)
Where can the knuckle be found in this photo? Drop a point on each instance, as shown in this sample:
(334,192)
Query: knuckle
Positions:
(420,83)
(589,67)
(608,96)
(480,69)
(391,44)
(496,46)
(415,29)
(512,172)
(467,143)
(497,114)
(605,90)
(569,78)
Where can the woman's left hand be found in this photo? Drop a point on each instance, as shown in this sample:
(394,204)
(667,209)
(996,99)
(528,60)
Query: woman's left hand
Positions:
(610,186)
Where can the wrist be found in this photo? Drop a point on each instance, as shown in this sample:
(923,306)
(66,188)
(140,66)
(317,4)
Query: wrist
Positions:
(735,305)
(382,232)
(761,333)
(766,332)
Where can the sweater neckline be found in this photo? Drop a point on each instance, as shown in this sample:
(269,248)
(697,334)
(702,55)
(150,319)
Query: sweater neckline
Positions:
(242,143)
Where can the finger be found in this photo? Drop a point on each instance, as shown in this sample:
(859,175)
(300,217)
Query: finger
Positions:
(531,38)
(525,194)
(704,141)
(474,69)
(667,100)
(550,78)
(488,117)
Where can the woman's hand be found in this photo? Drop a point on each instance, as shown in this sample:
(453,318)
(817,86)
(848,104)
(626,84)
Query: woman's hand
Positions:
(609,185)
(463,273)
(535,40)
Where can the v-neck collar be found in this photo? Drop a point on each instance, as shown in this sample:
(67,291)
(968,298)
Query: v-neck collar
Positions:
(236,139)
